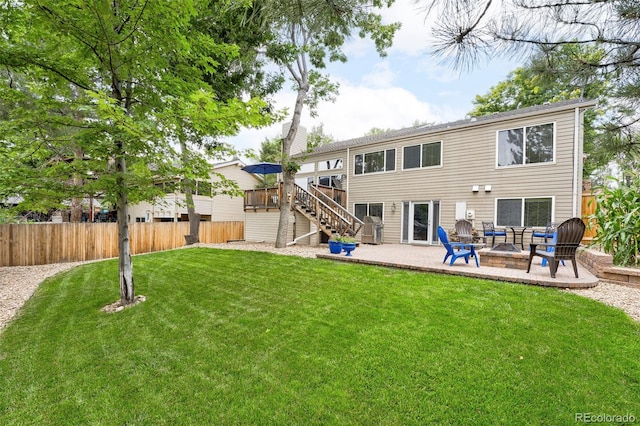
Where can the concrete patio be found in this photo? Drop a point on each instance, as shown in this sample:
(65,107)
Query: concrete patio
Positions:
(429,259)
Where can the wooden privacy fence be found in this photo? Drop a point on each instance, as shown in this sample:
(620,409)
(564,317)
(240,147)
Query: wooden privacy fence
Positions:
(41,244)
(589,206)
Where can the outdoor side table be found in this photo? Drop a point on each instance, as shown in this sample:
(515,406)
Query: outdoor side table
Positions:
(518,231)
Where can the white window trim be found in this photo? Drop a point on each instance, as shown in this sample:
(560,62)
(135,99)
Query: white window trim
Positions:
(495,207)
(307,168)
(524,131)
(368,206)
(333,160)
(439,166)
(385,162)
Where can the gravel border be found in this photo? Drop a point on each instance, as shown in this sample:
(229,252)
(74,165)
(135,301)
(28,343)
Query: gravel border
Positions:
(18,283)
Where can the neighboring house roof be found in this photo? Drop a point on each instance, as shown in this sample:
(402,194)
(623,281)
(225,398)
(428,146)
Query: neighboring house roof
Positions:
(233,162)
(425,129)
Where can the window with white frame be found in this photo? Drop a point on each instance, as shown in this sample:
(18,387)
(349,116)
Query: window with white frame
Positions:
(203,188)
(330,164)
(524,211)
(375,162)
(306,168)
(424,155)
(368,209)
(526,145)
(334,181)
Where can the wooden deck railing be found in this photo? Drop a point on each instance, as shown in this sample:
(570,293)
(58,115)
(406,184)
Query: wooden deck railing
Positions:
(328,211)
(328,205)
(335,194)
(262,198)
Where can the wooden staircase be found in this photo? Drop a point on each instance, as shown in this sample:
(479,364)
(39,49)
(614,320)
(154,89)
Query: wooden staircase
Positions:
(328,215)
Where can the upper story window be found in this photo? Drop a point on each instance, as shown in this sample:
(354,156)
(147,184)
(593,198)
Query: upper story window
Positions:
(375,162)
(526,145)
(334,181)
(203,188)
(306,168)
(330,164)
(167,187)
(425,155)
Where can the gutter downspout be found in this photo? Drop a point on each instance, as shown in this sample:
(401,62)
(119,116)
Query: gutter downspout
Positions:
(347,178)
(576,162)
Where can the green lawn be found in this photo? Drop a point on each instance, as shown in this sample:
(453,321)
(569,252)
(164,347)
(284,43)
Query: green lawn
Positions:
(233,337)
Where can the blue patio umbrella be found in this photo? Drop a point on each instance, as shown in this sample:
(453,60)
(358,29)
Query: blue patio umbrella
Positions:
(263,168)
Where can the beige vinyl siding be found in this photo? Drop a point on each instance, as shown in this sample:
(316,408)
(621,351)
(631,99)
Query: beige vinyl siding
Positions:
(139,210)
(326,157)
(262,226)
(221,208)
(303,226)
(468,158)
(226,208)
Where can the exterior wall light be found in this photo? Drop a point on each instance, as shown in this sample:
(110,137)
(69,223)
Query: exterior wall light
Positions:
(475,188)
(487,188)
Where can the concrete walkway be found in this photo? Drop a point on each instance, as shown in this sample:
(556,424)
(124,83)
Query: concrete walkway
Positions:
(429,259)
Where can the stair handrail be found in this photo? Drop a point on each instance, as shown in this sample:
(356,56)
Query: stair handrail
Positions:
(330,192)
(315,191)
(354,219)
(350,221)
(322,203)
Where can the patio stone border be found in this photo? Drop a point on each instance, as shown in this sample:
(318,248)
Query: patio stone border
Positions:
(601,265)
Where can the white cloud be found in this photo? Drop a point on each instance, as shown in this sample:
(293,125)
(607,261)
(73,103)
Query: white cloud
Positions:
(413,36)
(360,108)
(434,71)
(370,88)
(381,76)
(357,110)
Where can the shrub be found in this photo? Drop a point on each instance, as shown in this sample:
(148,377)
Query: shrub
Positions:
(618,217)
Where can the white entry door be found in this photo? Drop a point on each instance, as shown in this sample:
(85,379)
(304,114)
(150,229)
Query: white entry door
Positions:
(420,222)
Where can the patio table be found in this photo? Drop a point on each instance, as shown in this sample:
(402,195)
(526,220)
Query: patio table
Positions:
(518,231)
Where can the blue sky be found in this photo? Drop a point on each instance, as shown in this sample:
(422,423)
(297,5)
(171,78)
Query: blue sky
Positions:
(390,92)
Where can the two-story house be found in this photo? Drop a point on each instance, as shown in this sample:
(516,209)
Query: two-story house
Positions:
(217,208)
(518,168)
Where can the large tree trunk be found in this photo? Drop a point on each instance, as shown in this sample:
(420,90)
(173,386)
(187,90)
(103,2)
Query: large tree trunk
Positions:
(188,186)
(288,180)
(125,263)
(288,175)
(194,218)
(76,202)
(76,210)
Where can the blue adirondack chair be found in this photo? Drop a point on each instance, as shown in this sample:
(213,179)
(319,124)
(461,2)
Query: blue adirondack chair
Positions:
(551,248)
(456,250)
(547,234)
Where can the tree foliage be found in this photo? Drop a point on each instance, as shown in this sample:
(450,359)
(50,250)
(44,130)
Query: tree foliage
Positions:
(467,31)
(317,137)
(580,43)
(549,77)
(545,77)
(306,34)
(119,80)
